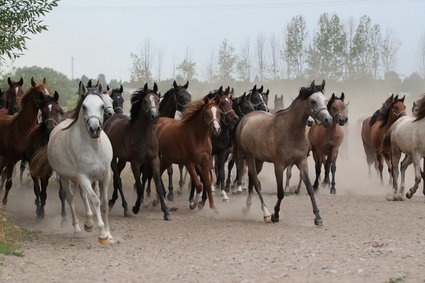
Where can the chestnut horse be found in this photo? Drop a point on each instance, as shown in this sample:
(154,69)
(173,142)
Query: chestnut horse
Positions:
(188,142)
(325,142)
(133,139)
(37,138)
(12,97)
(280,139)
(14,130)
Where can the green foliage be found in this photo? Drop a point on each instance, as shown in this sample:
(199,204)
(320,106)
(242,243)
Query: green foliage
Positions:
(226,62)
(326,55)
(19,19)
(11,236)
(294,47)
(187,69)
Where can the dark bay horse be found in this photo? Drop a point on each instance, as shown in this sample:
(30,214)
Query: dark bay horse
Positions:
(15,128)
(117,99)
(256,97)
(188,142)
(133,140)
(325,142)
(12,97)
(280,139)
(38,138)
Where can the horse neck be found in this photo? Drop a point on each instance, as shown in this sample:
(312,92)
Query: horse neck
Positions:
(295,118)
(10,105)
(142,123)
(198,127)
(167,108)
(390,121)
(26,117)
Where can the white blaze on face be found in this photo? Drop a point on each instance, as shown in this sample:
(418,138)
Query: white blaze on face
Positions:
(49,107)
(216,125)
(45,91)
(152,99)
(17,90)
(227,100)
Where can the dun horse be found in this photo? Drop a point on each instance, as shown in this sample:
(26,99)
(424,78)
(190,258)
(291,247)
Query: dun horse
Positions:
(325,142)
(280,139)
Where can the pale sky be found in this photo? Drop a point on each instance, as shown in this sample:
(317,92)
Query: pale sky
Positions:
(101,34)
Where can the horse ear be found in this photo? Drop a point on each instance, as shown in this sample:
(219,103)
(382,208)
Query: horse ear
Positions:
(186,85)
(312,84)
(159,94)
(260,89)
(231,95)
(220,91)
(56,96)
(323,84)
(89,83)
(155,87)
(145,87)
(226,92)
(33,83)
(107,87)
(402,100)
(9,81)
(254,88)
(232,91)
(174,84)
(99,87)
(244,94)
(206,99)
(44,82)
(121,89)
(81,89)
(267,92)
(21,81)
(333,96)
(396,98)
(342,97)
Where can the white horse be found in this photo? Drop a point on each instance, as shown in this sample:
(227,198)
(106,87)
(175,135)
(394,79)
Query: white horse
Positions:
(407,135)
(81,153)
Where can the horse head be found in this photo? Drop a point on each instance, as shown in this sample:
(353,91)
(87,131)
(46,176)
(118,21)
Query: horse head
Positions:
(338,109)
(51,112)
(316,103)
(212,114)
(255,96)
(398,109)
(91,108)
(278,102)
(182,96)
(145,102)
(13,96)
(242,105)
(117,100)
(225,103)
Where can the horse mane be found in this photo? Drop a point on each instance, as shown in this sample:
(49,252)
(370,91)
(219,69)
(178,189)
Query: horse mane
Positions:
(165,98)
(384,113)
(420,113)
(136,100)
(374,118)
(76,111)
(25,99)
(192,110)
(305,92)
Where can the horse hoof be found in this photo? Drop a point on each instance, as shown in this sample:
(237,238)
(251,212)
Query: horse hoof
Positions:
(408,195)
(167,217)
(275,218)
(225,199)
(170,197)
(200,205)
(318,222)
(333,191)
(106,241)
(192,205)
(88,228)
(111,204)
(267,219)
(136,209)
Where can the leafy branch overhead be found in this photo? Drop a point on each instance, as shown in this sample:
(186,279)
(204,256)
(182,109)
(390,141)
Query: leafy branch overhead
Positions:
(19,19)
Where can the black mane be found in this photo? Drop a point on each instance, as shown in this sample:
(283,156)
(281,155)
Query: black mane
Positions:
(136,100)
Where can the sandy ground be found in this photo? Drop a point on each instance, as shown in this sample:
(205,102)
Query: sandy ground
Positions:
(365,238)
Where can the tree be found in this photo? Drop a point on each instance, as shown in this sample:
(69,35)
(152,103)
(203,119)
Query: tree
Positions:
(261,60)
(19,19)
(274,56)
(390,46)
(187,67)
(327,53)
(142,66)
(102,80)
(210,68)
(421,53)
(160,61)
(226,62)
(243,65)
(375,43)
(350,39)
(293,51)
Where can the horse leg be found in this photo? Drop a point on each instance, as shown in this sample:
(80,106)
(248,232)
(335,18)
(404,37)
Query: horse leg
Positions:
(221,160)
(22,170)
(204,196)
(192,172)
(9,170)
(69,189)
(116,180)
(380,166)
(170,195)
(252,171)
(62,197)
(87,189)
(404,164)
(88,224)
(118,186)
(423,178)
(327,163)
(318,167)
(247,207)
(229,174)
(103,186)
(36,185)
(192,191)
(278,171)
(181,181)
(333,157)
(395,158)
(43,194)
(298,189)
(288,177)
(159,187)
(303,167)
(136,169)
(239,176)
(417,165)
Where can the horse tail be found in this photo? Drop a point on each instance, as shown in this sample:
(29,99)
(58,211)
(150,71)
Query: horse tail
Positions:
(236,152)
(39,164)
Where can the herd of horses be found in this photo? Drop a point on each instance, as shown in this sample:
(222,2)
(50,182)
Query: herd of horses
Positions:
(83,144)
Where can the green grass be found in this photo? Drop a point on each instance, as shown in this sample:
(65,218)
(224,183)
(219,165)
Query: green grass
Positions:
(399,279)
(11,236)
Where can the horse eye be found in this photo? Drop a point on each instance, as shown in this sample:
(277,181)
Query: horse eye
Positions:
(313,102)
(103,106)
(84,107)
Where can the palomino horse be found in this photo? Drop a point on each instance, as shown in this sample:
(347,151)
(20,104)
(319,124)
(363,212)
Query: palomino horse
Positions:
(83,133)
(12,97)
(38,138)
(188,142)
(139,147)
(366,133)
(384,121)
(14,129)
(407,136)
(325,142)
(280,139)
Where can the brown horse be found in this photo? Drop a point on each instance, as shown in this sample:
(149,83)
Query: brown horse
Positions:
(384,121)
(15,128)
(325,142)
(133,139)
(12,97)
(188,142)
(38,138)
(280,139)
(366,132)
